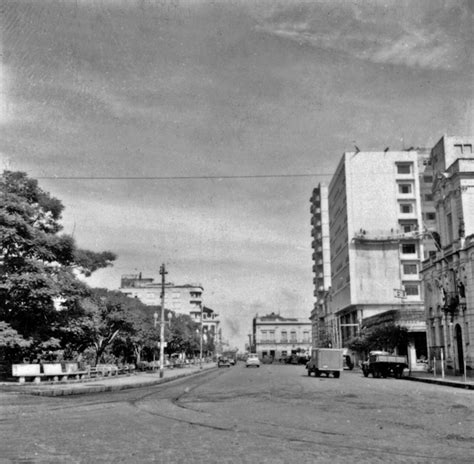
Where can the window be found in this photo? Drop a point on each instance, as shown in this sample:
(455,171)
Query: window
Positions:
(284,336)
(305,336)
(406,208)
(408,248)
(449,226)
(408,226)
(410,269)
(431,216)
(293,336)
(404,188)
(404,168)
(428,197)
(428,179)
(465,149)
(271,335)
(412,289)
(264,335)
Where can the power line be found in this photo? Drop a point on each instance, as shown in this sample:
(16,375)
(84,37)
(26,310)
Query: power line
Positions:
(251,176)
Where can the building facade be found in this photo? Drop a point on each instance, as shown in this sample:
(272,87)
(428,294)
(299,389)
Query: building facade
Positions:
(181,299)
(377,244)
(448,274)
(276,337)
(320,319)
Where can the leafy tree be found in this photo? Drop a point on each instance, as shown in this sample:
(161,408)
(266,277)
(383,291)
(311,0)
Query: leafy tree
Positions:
(39,288)
(142,336)
(11,342)
(104,316)
(181,335)
(384,337)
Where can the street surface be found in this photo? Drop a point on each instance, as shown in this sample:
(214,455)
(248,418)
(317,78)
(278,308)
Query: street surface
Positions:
(272,414)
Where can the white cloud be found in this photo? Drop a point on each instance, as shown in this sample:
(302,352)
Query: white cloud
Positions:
(376,33)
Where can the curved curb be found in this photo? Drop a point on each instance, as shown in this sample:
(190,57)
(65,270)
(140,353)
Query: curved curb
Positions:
(89,389)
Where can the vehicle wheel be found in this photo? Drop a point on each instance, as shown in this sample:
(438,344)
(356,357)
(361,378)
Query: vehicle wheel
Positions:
(376,374)
(309,372)
(336,375)
(317,373)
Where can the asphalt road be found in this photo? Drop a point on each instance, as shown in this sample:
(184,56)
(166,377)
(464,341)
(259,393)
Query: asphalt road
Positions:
(273,414)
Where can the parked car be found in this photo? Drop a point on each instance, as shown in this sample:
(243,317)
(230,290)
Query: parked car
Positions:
(223,362)
(252,360)
(347,362)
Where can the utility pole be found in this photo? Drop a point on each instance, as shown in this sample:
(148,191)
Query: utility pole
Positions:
(162,322)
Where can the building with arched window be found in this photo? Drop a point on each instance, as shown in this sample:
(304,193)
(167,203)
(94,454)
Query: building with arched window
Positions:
(448,274)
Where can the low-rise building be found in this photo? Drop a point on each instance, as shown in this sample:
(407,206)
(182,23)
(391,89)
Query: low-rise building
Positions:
(448,274)
(276,337)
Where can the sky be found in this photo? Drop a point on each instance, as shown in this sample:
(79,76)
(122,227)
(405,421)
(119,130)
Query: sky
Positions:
(192,133)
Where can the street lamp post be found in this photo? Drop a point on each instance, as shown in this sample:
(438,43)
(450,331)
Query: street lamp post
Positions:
(200,342)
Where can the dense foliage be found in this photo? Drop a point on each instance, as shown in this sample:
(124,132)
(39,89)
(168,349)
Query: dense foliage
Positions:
(47,312)
(39,288)
(387,337)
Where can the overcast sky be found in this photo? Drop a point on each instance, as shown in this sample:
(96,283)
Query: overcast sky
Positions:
(174,88)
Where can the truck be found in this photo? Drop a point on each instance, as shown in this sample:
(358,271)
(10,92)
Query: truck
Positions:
(383,364)
(325,361)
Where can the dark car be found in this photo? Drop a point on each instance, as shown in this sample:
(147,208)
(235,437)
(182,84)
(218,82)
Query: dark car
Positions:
(223,362)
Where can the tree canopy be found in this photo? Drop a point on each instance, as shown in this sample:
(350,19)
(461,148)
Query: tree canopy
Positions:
(38,265)
(384,337)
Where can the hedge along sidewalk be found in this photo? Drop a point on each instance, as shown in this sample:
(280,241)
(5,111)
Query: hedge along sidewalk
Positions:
(106,384)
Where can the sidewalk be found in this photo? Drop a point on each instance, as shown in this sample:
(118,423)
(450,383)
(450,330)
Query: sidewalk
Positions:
(448,381)
(104,384)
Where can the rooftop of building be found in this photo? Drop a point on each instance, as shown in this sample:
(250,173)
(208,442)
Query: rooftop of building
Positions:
(274,317)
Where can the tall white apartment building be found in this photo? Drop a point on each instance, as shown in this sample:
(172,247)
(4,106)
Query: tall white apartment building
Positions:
(377,244)
(321,322)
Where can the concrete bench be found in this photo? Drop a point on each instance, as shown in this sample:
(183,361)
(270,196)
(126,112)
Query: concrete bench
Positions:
(109,370)
(50,371)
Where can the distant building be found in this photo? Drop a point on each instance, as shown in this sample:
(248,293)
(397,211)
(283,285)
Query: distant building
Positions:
(275,336)
(377,243)
(322,323)
(181,299)
(448,274)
